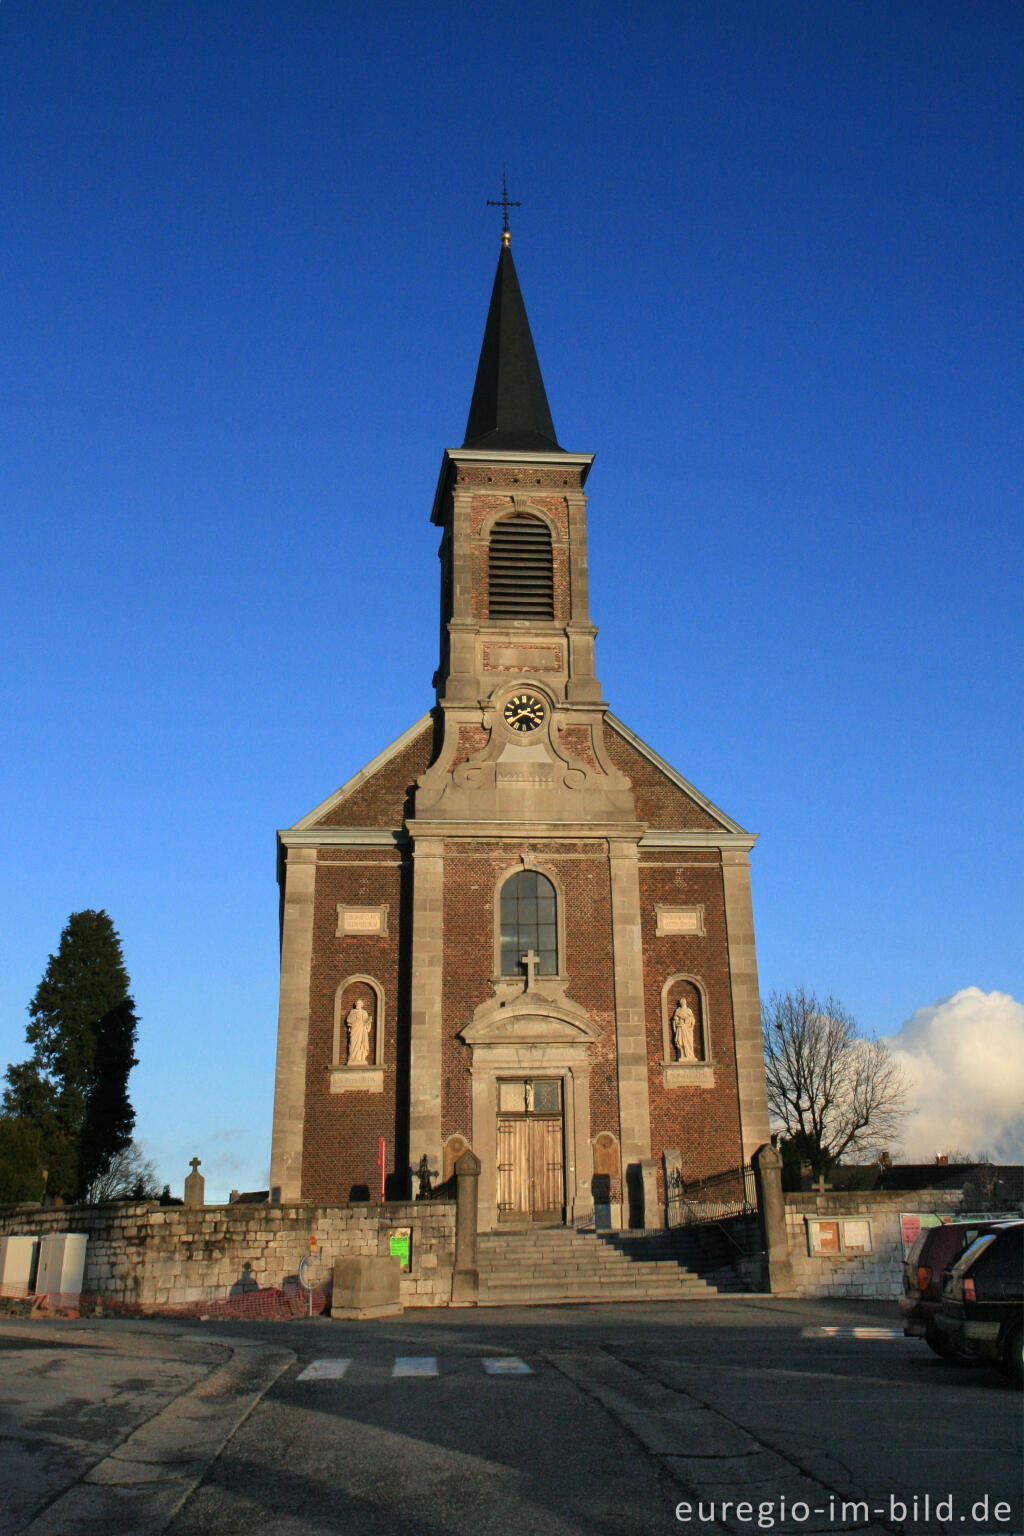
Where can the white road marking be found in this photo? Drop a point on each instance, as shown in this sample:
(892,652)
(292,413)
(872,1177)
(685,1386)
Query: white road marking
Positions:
(324,1370)
(415,1365)
(334,1368)
(852,1333)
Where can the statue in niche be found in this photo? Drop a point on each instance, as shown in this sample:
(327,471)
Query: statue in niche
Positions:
(684,1025)
(528,1097)
(358,1022)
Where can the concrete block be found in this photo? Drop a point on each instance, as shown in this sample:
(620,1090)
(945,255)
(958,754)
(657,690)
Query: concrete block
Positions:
(368,1286)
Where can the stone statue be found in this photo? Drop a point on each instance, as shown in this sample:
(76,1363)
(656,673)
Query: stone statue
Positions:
(358,1025)
(424,1173)
(528,1096)
(683,1026)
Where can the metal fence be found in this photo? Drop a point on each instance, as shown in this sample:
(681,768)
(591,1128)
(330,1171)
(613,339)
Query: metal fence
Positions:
(733,1193)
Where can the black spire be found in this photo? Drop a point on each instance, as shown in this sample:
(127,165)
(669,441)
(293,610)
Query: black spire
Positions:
(509,409)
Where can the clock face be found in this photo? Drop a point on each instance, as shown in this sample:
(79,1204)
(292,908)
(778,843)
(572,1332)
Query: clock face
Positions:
(524,712)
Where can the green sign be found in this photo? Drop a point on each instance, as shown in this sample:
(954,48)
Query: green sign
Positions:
(400,1244)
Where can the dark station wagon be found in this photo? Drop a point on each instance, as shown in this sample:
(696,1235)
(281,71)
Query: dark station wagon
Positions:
(932,1252)
(983,1300)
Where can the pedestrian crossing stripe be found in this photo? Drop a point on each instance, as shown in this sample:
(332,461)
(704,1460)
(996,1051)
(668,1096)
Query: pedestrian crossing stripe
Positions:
(852,1333)
(414,1365)
(324,1370)
(333,1368)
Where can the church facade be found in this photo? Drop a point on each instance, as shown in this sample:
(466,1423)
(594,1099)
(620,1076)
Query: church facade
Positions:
(518,930)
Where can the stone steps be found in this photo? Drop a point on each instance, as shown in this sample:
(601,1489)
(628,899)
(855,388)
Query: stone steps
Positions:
(549,1265)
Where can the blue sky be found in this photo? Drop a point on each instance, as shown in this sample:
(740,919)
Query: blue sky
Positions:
(770,254)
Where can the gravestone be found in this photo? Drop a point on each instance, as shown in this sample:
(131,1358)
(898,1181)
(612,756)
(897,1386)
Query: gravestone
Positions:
(195,1186)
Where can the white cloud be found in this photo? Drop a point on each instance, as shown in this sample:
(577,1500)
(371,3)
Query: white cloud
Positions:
(964,1057)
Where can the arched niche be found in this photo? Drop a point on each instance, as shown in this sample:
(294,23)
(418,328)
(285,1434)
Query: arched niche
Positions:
(679,1069)
(369,1076)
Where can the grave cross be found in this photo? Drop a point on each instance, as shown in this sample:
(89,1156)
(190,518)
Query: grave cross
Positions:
(821,1186)
(531,961)
(194,1165)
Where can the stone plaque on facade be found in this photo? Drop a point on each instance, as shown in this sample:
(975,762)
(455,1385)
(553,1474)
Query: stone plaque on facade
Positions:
(522,658)
(362,920)
(685,920)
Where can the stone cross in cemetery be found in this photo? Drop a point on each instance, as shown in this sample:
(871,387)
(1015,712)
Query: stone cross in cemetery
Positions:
(195,1185)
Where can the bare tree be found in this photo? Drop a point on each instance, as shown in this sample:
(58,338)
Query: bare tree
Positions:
(831,1091)
(129,1175)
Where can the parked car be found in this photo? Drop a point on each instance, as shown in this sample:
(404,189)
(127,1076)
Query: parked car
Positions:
(930,1255)
(983,1300)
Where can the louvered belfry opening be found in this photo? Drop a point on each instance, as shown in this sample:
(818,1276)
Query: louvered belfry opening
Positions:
(521,579)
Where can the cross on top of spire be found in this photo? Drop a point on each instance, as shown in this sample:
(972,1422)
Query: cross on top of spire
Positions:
(504,203)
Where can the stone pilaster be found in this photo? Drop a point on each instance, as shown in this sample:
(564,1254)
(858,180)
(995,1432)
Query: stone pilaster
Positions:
(293,1025)
(746,1002)
(630,1021)
(425,1020)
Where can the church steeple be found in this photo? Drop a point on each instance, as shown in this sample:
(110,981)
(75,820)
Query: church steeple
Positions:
(510,409)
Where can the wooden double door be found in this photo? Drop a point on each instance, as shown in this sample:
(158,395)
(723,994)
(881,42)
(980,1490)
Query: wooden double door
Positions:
(531,1156)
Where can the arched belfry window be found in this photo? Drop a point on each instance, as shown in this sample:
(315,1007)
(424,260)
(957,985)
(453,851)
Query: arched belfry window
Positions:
(529,920)
(521,580)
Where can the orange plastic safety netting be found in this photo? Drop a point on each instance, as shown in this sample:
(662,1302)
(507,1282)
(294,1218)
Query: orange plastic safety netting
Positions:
(275,1304)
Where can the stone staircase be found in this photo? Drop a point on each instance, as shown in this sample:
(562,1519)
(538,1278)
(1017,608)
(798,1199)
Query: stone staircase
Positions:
(558,1264)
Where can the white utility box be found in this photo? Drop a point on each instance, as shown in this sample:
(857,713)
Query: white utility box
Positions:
(61,1264)
(17,1265)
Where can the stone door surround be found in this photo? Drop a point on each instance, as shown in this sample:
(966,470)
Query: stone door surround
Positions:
(532,1037)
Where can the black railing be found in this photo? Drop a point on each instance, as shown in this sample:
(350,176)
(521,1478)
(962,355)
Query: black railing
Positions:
(732,1193)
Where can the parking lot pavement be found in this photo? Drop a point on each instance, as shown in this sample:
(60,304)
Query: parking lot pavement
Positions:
(737,1416)
(108,1426)
(752,1413)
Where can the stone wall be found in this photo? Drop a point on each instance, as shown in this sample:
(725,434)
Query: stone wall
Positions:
(851,1271)
(151,1256)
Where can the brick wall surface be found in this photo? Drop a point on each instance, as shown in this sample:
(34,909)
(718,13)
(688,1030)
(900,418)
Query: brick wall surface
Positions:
(148,1256)
(383,800)
(473,874)
(703,1122)
(485,507)
(526,478)
(340,1137)
(658,801)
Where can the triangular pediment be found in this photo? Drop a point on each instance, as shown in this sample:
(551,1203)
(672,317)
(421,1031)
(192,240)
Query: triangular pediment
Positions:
(368,797)
(530,1019)
(689,809)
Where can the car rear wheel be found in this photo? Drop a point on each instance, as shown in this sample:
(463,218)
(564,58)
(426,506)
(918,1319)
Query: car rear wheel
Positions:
(1013,1356)
(944,1346)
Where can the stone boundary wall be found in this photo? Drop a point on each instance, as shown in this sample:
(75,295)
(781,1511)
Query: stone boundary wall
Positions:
(877,1273)
(154,1256)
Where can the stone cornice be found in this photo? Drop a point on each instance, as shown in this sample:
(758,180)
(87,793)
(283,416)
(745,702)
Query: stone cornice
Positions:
(342,837)
(456,456)
(738,841)
(557,831)
(399,837)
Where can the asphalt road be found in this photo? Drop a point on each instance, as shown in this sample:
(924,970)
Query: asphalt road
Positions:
(758,1414)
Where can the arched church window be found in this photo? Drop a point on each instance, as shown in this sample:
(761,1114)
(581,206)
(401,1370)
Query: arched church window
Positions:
(520,572)
(529,920)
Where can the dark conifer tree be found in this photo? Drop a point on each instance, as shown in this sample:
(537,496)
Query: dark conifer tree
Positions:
(74,1088)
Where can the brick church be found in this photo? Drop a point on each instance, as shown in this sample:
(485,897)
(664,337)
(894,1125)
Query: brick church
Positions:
(517,929)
